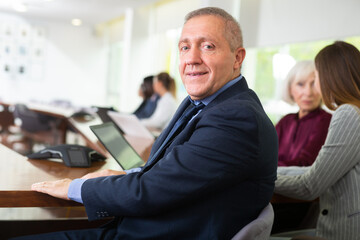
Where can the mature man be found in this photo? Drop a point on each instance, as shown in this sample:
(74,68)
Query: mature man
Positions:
(205,179)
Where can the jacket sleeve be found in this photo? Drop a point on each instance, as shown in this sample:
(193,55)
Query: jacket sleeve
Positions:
(337,157)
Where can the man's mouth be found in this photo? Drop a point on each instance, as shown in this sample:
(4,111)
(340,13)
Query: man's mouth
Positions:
(194,74)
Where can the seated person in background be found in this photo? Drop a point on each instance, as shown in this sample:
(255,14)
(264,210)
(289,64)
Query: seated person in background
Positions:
(165,87)
(209,180)
(150,98)
(334,177)
(302,134)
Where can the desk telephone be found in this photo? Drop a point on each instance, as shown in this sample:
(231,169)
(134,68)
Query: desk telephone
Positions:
(72,155)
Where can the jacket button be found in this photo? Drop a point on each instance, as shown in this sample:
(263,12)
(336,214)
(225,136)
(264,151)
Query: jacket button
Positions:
(324,212)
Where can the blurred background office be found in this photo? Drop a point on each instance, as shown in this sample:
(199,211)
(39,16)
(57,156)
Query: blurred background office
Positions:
(97,52)
(82,53)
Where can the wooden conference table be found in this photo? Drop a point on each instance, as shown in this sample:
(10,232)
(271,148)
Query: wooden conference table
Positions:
(65,122)
(23,211)
(17,199)
(18,173)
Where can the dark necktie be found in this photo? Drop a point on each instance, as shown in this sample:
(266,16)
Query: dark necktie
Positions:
(180,124)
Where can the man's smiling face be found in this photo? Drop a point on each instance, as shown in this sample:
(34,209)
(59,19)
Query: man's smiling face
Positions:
(206,60)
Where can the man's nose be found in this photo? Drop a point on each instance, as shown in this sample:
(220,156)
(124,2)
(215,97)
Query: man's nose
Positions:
(193,57)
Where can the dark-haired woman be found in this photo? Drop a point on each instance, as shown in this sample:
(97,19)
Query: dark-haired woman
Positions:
(150,98)
(334,177)
(164,86)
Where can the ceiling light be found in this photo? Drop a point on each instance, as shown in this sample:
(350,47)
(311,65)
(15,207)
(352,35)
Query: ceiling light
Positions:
(76,22)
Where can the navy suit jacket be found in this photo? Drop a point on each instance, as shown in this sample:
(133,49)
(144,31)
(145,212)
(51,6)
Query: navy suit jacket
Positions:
(213,179)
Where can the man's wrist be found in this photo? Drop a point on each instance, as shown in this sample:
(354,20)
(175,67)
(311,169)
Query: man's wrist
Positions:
(74,192)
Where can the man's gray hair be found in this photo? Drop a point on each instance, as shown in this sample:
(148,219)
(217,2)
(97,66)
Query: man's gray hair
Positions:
(232,29)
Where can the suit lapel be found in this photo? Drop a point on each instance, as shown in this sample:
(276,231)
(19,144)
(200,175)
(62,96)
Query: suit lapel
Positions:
(237,88)
(184,104)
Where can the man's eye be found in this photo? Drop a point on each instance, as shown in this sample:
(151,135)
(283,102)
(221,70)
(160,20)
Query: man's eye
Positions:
(184,48)
(208,46)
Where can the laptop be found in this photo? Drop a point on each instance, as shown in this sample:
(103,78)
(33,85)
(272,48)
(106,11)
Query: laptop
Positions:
(130,125)
(119,148)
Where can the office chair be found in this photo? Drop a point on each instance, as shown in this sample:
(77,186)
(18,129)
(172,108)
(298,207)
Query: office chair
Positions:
(36,128)
(6,118)
(258,229)
(7,124)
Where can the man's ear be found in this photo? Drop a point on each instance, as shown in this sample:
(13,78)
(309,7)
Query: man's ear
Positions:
(239,57)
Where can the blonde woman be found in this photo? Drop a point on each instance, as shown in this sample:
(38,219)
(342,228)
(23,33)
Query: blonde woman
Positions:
(164,86)
(302,134)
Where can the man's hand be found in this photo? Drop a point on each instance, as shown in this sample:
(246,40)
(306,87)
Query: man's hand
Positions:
(57,188)
(60,188)
(103,173)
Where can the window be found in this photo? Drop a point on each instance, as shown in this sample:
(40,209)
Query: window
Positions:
(265,69)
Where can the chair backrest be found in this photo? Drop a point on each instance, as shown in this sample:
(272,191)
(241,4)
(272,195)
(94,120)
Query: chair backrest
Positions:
(258,229)
(6,118)
(30,120)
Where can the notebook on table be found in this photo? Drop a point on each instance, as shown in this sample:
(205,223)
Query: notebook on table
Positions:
(115,143)
(130,125)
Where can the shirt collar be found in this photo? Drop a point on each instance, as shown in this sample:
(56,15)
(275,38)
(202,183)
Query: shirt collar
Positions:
(208,99)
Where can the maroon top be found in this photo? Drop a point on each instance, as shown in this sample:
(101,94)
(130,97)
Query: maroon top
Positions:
(300,140)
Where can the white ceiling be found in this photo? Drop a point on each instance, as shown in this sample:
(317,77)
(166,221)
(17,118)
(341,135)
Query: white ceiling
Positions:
(89,11)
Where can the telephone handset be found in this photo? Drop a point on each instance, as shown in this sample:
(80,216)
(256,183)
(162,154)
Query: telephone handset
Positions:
(73,155)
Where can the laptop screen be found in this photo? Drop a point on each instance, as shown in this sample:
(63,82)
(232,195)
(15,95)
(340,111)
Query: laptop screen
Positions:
(110,136)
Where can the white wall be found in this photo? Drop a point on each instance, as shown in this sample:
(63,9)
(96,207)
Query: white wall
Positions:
(275,22)
(74,66)
(77,64)
(264,23)
(149,45)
